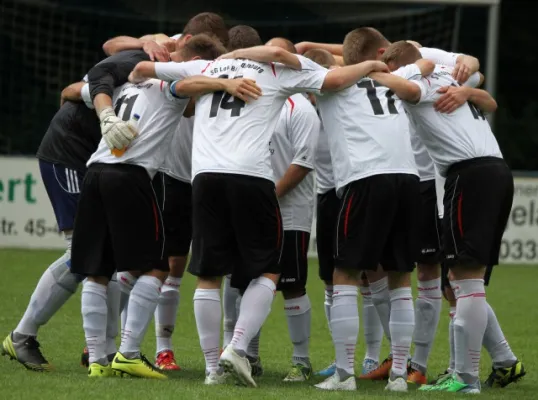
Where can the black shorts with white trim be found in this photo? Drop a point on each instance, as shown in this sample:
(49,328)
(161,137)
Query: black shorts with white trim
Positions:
(118,226)
(175,201)
(478,200)
(377,224)
(237,226)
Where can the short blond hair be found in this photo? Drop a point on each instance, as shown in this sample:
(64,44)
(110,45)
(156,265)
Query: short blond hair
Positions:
(321,57)
(401,53)
(362,44)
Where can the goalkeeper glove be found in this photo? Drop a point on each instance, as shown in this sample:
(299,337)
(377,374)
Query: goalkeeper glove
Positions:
(116,132)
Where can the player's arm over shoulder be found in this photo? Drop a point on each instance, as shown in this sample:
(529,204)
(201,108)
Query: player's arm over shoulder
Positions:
(167,71)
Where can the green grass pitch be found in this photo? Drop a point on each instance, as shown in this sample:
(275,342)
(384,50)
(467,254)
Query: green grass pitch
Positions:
(511,294)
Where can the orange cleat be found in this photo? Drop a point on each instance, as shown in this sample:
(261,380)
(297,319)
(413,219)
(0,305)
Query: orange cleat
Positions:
(416,377)
(166,361)
(381,373)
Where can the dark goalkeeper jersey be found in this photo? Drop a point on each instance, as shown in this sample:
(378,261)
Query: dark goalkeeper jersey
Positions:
(74,132)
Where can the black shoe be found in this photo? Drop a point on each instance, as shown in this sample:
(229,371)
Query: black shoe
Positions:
(502,377)
(25,351)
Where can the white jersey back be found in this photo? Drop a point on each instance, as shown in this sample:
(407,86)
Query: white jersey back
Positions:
(229,135)
(294,142)
(450,138)
(423,160)
(368,132)
(323,164)
(158,114)
(178,160)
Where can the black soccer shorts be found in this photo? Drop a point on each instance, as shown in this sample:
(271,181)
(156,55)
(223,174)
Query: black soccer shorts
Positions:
(118,224)
(237,226)
(377,224)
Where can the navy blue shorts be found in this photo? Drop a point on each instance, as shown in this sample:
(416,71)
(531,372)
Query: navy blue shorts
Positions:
(63,187)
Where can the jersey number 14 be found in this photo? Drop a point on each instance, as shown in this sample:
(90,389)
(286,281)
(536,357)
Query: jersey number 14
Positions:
(226,101)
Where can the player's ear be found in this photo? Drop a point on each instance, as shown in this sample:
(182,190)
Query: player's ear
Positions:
(380,53)
(187,37)
(392,66)
(196,58)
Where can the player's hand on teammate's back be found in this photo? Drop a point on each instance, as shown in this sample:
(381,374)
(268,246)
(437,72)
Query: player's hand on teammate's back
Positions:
(156,52)
(116,132)
(461,72)
(244,89)
(452,98)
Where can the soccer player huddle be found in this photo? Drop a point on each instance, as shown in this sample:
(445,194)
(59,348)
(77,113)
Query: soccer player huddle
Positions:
(213,138)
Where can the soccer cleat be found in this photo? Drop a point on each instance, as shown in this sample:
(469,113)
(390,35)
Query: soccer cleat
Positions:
(416,377)
(166,361)
(139,367)
(334,383)
(329,371)
(502,377)
(397,385)
(216,378)
(381,373)
(368,365)
(96,370)
(25,352)
(299,373)
(452,384)
(255,365)
(238,366)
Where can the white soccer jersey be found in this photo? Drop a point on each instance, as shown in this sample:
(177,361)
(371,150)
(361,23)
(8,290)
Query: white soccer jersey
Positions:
(294,142)
(229,135)
(450,138)
(323,164)
(368,132)
(158,112)
(178,160)
(424,162)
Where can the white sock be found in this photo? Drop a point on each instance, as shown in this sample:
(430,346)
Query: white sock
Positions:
(166,313)
(427,315)
(229,299)
(126,282)
(469,326)
(253,349)
(328,303)
(207,311)
(142,304)
(381,300)
(113,315)
(345,327)
(55,287)
(452,361)
(298,315)
(402,324)
(495,343)
(94,318)
(255,307)
(373,330)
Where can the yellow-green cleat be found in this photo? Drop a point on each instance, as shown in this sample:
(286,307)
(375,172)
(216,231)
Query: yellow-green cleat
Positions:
(25,351)
(139,367)
(96,370)
(502,377)
(299,373)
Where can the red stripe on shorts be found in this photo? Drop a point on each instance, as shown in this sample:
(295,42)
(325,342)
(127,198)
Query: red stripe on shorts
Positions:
(346,217)
(155,218)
